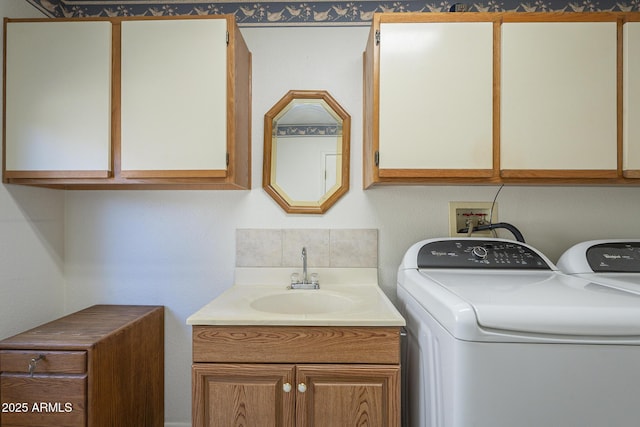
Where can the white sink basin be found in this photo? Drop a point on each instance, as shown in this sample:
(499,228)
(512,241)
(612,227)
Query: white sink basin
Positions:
(302,302)
(347,297)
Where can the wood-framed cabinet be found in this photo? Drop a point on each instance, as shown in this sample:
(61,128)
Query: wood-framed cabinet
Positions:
(296,376)
(101,366)
(424,69)
(126,104)
(542,94)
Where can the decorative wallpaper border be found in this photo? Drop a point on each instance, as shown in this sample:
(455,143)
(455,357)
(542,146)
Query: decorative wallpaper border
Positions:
(306,130)
(303,13)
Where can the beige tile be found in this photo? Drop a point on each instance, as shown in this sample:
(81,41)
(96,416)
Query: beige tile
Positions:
(315,240)
(354,248)
(259,248)
(325,248)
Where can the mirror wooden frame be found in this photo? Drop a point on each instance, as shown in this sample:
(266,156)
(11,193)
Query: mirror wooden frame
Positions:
(269,117)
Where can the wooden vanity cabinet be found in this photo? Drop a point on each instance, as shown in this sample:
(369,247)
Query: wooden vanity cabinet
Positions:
(102,366)
(127,102)
(296,376)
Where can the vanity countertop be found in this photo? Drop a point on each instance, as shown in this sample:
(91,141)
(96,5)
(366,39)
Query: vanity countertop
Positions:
(259,296)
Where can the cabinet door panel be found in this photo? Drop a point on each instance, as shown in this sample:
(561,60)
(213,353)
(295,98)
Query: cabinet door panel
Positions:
(558,96)
(436,98)
(631,97)
(348,395)
(51,400)
(174,97)
(242,395)
(58,98)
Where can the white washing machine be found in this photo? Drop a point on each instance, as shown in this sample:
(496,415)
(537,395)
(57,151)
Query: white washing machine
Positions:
(497,337)
(614,263)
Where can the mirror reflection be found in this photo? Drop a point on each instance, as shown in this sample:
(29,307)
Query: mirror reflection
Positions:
(306,152)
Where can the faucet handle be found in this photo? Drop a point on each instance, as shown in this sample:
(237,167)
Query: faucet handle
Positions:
(315,279)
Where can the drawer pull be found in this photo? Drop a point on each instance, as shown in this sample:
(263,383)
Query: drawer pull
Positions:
(34,361)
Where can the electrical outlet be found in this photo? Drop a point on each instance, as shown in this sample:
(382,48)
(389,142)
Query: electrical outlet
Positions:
(477,213)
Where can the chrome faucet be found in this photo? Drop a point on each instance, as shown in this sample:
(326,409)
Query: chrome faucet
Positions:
(305,283)
(304,265)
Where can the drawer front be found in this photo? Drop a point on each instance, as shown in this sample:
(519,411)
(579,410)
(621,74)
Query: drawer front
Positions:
(293,344)
(43,400)
(43,362)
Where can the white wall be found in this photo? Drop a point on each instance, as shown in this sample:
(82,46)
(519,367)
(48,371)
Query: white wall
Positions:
(31,241)
(177,248)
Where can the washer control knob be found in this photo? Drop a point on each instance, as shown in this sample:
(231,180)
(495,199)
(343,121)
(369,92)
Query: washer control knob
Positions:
(479,252)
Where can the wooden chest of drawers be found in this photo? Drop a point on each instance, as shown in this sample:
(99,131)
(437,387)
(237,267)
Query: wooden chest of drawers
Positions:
(102,366)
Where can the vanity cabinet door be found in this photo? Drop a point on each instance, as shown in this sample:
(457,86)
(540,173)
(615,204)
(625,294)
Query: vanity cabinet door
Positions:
(303,395)
(428,99)
(558,100)
(174,98)
(227,395)
(631,99)
(348,395)
(57,99)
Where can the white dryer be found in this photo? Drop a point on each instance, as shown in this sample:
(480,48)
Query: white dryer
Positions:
(614,263)
(497,337)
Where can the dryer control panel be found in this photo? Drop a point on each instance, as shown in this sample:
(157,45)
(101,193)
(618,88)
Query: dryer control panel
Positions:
(470,253)
(615,257)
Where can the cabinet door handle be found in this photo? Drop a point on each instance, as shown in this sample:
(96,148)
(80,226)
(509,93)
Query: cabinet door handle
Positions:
(34,361)
(286,387)
(302,387)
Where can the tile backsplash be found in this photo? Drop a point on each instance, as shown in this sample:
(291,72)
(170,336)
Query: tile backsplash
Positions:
(325,247)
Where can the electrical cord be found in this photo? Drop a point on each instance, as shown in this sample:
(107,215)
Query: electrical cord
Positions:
(512,228)
(493,204)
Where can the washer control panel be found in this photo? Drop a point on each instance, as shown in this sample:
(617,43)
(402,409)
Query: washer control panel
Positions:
(469,253)
(619,257)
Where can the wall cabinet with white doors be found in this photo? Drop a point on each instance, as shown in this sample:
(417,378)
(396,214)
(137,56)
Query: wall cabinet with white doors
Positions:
(296,376)
(533,98)
(127,103)
(428,97)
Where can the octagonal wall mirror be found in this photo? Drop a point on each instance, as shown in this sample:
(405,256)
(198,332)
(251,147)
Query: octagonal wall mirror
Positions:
(306,152)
